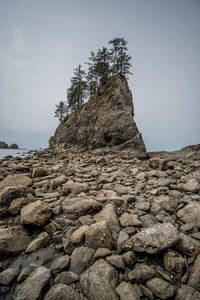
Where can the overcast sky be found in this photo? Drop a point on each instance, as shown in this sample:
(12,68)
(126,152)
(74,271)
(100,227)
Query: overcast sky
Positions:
(42,41)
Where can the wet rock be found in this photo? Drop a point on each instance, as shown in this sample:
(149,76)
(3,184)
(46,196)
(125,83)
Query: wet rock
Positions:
(61,291)
(76,207)
(161,288)
(8,275)
(15,180)
(127,291)
(141,272)
(127,219)
(99,235)
(32,287)
(74,187)
(40,172)
(108,213)
(194,277)
(191,186)
(36,213)
(116,261)
(100,281)
(60,264)
(13,240)
(174,263)
(40,241)
(66,278)
(80,257)
(154,239)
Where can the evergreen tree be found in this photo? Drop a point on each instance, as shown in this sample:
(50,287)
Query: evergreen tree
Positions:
(61,110)
(103,60)
(77,93)
(92,75)
(119,57)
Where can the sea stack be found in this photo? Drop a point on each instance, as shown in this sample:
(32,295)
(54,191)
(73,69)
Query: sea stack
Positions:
(105,120)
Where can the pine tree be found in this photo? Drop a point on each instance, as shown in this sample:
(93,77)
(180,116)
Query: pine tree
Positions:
(103,60)
(61,110)
(92,75)
(119,57)
(77,93)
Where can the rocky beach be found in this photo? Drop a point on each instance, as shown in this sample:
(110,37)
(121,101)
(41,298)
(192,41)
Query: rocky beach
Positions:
(97,217)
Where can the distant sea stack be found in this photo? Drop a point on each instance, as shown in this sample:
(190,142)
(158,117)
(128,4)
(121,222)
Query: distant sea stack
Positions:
(3,145)
(105,120)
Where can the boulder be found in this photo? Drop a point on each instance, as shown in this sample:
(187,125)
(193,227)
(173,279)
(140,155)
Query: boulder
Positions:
(62,291)
(40,172)
(106,119)
(108,214)
(127,291)
(76,207)
(32,287)
(10,193)
(153,239)
(99,235)
(80,257)
(100,281)
(40,241)
(161,288)
(35,213)
(74,187)
(13,240)
(190,214)
(15,180)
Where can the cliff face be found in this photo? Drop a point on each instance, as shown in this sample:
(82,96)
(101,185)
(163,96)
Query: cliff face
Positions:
(105,120)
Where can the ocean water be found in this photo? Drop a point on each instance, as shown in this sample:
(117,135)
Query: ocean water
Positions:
(14,152)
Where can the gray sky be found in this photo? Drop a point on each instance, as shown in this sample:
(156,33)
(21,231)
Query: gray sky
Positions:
(42,41)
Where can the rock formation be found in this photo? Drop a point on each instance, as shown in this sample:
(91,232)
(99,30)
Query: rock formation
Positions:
(100,225)
(106,119)
(3,145)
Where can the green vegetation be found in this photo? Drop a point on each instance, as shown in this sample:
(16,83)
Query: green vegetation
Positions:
(101,66)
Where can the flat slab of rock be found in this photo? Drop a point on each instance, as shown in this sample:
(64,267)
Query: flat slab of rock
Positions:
(100,281)
(76,207)
(35,213)
(15,180)
(13,240)
(31,288)
(153,239)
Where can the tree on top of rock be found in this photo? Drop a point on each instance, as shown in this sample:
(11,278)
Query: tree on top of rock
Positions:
(77,92)
(119,58)
(61,110)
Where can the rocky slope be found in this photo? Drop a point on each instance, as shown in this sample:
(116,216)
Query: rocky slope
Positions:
(106,119)
(100,225)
